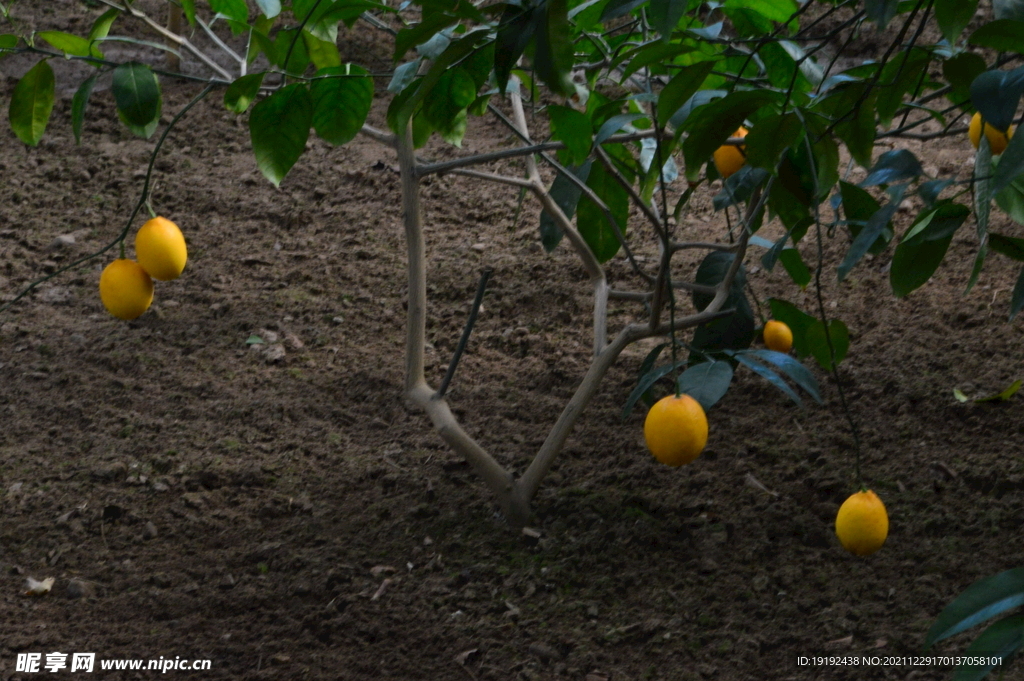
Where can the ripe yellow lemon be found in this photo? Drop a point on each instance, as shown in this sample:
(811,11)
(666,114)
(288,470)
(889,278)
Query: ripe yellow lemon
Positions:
(676,430)
(862,523)
(777,336)
(125,289)
(729,158)
(160,248)
(997,140)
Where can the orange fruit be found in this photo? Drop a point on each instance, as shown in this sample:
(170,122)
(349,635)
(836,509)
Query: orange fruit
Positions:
(997,139)
(729,158)
(862,523)
(777,336)
(125,289)
(160,249)
(676,430)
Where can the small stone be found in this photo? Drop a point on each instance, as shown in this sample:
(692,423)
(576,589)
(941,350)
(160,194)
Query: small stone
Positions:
(228,582)
(161,581)
(274,353)
(544,652)
(160,486)
(478,247)
(194,500)
(149,531)
(110,472)
(77,339)
(62,241)
(78,588)
(280,658)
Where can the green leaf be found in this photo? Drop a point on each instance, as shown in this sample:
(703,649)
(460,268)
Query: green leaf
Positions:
(665,14)
(645,383)
(409,38)
(241,93)
(959,395)
(681,88)
(566,195)
(893,166)
(997,643)
(875,225)
(288,44)
(235,10)
(591,221)
(1011,200)
(930,191)
(619,8)
(613,125)
(188,8)
(711,272)
(922,250)
(1008,392)
(981,601)
(323,53)
(712,124)
(796,371)
(279,127)
(739,187)
(78,104)
(795,267)
(66,42)
(1017,301)
(8,42)
(515,30)
(798,322)
(655,52)
(706,382)
(254,340)
(1004,35)
(341,104)
(553,48)
(101,27)
(32,103)
(953,17)
(769,375)
(773,10)
(572,128)
(735,331)
(452,94)
(1009,246)
(1011,165)
(881,11)
(858,207)
(771,137)
(270,8)
(818,343)
(899,77)
(960,71)
(996,94)
(137,93)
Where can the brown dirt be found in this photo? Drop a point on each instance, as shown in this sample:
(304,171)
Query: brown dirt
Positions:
(296,519)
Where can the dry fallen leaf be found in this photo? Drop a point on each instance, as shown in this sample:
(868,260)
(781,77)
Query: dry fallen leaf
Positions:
(463,657)
(383,586)
(34,588)
(379,570)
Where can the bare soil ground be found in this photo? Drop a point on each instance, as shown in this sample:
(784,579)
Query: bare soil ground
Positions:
(287,516)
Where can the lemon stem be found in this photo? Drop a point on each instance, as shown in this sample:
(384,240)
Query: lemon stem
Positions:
(149,207)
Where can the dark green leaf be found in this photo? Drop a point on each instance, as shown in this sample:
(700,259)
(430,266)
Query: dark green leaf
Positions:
(894,166)
(241,93)
(795,267)
(479,64)
(566,194)
(8,42)
(739,186)
(997,643)
(1009,246)
(619,8)
(706,382)
(66,42)
(288,44)
(1011,200)
(770,138)
(1005,35)
(899,77)
(881,11)
(699,99)
(733,332)
(78,104)
(929,191)
(323,53)
(452,94)
(773,10)
(645,383)
(573,129)
(613,125)
(681,88)
(404,75)
(874,227)
(665,14)
(796,371)
(655,52)
(922,250)
(32,103)
(818,343)
(341,104)
(953,17)
(553,48)
(711,272)
(409,38)
(1017,300)
(515,30)
(714,123)
(798,322)
(769,375)
(279,127)
(960,71)
(137,93)
(235,10)
(591,221)
(996,94)
(981,601)
(1011,165)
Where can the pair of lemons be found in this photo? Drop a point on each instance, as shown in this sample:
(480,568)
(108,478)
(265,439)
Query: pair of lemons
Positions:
(126,286)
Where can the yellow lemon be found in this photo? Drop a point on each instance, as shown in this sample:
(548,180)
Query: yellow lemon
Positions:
(160,248)
(777,336)
(862,523)
(729,158)
(125,289)
(997,140)
(676,430)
